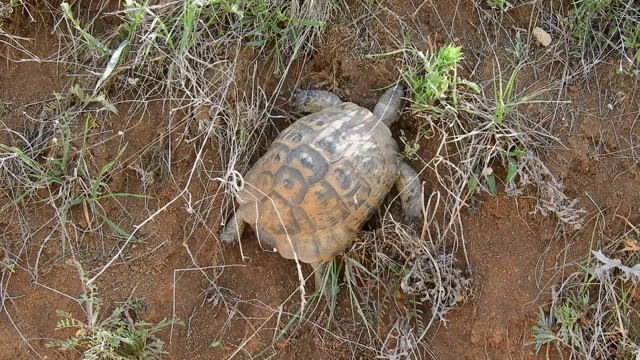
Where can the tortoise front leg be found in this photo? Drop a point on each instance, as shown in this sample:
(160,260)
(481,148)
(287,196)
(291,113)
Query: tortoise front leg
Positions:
(233,229)
(408,186)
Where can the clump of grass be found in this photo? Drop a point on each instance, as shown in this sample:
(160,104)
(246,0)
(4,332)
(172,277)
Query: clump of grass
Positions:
(487,130)
(47,163)
(593,312)
(600,25)
(119,336)
(393,273)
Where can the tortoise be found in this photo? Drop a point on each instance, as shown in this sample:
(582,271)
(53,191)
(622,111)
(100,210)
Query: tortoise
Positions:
(323,177)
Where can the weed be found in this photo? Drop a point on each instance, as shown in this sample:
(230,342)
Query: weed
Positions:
(602,24)
(551,199)
(505,104)
(592,313)
(6,263)
(411,146)
(91,42)
(434,278)
(119,336)
(520,50)
(435,82)
(502,5)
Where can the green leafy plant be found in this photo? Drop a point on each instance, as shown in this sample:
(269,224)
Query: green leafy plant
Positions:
(434,82)
(118,336)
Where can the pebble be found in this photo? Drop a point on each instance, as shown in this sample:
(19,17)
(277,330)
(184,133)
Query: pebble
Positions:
(542,36)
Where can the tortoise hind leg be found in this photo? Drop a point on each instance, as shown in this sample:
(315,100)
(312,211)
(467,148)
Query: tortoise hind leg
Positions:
(320,269)
(233,229)
(408,186)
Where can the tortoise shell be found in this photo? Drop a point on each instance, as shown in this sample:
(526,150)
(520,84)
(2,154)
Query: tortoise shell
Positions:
(321,179)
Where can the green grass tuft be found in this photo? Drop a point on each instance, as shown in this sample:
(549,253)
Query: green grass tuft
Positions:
(602,24)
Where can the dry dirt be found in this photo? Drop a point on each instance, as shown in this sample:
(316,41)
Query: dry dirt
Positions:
(509,247)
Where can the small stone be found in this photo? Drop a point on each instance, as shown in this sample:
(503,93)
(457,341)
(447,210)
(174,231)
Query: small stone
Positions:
(542,36)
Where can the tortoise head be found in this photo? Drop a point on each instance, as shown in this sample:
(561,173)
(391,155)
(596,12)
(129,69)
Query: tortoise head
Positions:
(311,101)
(391,104)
